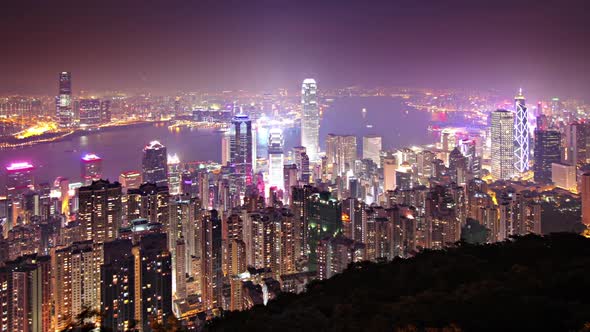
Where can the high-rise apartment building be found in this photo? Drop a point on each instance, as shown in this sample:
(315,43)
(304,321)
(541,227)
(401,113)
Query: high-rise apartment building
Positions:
(153,280)
(26,294)
(100,210)
(150,202)
(76,280)
(211,259)
(118,286)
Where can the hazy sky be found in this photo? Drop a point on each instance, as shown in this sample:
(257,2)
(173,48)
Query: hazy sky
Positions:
(199,44)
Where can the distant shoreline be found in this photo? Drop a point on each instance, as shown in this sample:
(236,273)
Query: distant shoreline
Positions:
(14,143)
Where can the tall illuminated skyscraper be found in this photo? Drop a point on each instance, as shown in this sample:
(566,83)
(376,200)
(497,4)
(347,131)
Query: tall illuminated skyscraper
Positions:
(275,159)
(521,135)
(154,164)
(502,151)
(372,148)
(91,168)
(310,118)
(241,141)
(65,114)
(174,176)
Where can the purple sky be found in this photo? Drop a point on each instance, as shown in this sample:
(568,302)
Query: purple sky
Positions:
(170,45)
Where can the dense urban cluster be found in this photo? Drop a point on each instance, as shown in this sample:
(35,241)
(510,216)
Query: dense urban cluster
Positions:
(177,243)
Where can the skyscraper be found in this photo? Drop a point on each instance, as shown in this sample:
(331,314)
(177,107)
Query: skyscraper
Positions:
(521,135)
(275,159)
(389,169)
(76,280)
(468,149)
(118,286)
(211,255)
(90,168)
(90,111)
(105,111)
(225,148)
(100,210)
(155,280)
(372,148)
(154,164)
(174,175)
(65,114)
(310,118)
(577,140)
(241,140)
(502,151)
(302,161)
(341,153)
(564,176)
(19,180)
(26,294)
(149,201)
(547,152)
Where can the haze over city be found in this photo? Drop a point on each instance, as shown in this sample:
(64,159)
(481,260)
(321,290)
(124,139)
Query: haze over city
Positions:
(294,165)
(167,46)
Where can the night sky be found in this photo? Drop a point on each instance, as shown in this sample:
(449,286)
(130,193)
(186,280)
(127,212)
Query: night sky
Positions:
(166,46)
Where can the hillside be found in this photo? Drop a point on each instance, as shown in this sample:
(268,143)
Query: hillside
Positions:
(529,283)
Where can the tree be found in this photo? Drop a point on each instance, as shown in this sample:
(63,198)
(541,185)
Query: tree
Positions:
(474,233)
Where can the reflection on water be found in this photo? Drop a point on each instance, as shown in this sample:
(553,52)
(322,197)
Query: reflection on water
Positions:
(121,149)
(388,117)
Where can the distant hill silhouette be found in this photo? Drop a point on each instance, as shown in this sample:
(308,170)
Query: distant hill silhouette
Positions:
(529,283)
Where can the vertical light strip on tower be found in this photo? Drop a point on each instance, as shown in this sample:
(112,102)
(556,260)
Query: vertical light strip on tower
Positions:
(521,135)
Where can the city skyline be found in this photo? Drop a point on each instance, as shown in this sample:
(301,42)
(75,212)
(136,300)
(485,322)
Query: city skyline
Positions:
(167,182)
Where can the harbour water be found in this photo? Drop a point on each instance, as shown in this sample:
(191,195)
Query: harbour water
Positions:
(121,149)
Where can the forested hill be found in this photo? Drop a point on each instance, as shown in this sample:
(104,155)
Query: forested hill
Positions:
(526,284)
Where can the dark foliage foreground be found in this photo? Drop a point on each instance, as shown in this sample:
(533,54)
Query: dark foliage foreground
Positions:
(530,283)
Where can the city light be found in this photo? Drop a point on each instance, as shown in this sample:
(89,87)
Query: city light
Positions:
(339,165)
(19,166)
